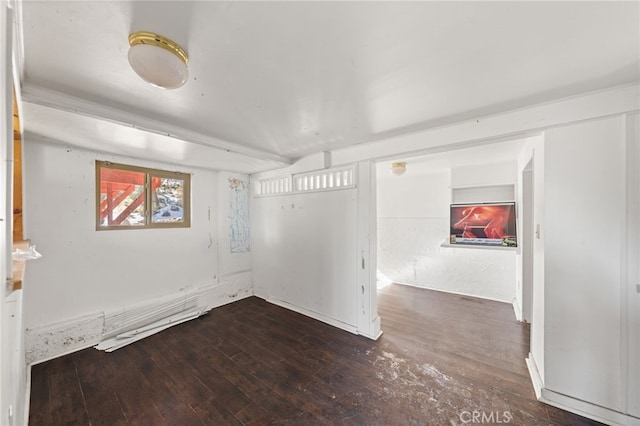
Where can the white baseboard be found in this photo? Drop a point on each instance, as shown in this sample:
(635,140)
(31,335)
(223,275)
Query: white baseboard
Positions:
(323,318)
(450,291)
(375,326)
(536,379)
(27,398)
(577,406)
(517,310)
(586,409)
(372,337)
(50,341)
(315,315)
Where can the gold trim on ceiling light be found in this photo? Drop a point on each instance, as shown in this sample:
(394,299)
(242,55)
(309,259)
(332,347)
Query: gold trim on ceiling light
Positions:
(398,168)
(145,37)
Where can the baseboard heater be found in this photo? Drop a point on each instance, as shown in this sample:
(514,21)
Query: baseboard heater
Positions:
(124,339)
(128,325)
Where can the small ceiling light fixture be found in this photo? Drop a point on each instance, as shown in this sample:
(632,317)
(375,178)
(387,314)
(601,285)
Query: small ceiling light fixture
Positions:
(158,60)
(398,169)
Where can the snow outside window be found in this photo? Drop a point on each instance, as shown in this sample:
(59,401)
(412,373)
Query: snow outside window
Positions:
(130,197)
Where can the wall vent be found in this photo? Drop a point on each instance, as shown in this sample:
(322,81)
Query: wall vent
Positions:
(320,180)
(272,186)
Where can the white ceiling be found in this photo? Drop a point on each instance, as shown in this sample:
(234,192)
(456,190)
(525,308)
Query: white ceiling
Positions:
(489,153)
(271,82)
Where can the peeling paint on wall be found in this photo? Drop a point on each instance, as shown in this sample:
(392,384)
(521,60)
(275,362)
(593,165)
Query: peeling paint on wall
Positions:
(44,343)
(232,287)
(51,341)
(238,215)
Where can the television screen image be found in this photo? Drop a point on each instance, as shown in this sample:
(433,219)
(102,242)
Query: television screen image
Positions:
(492,224)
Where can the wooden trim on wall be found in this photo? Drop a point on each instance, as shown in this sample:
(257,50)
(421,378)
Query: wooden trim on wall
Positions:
(18,232)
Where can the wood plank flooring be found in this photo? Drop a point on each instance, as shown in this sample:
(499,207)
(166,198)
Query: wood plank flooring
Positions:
(441,358)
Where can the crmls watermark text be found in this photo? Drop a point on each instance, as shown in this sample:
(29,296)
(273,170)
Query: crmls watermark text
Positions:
(485,417)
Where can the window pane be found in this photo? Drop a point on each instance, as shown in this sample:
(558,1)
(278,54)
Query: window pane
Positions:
(122,198)
(167,199)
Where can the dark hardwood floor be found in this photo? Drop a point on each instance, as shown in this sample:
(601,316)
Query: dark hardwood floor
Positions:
(442,357)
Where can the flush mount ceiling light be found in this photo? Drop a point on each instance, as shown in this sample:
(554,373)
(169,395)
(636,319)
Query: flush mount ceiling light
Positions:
(398,168)
(158,60)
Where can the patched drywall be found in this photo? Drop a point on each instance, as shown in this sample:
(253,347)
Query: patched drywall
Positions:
(234,252)
(230,288)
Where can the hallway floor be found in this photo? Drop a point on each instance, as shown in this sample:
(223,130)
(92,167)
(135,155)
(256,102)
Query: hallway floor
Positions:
(442,360)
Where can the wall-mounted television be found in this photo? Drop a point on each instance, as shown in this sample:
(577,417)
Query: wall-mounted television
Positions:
(486,224)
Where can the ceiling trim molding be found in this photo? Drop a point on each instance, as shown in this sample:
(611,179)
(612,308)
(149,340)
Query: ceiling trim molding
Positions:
(510,125)
(53,99)
(514,124)
(146,160)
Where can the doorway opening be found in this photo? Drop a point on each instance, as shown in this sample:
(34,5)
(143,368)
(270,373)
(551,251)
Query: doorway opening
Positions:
(527,242)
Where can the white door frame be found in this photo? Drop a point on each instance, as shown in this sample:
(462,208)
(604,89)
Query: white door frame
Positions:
(527,241)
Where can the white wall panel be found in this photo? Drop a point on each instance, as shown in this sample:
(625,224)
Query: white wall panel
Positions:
(631,297)
(585,208)
(83,271)
(305,252)
(484,175)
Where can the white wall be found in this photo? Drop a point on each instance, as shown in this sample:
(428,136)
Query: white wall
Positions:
(585,255)
(84,272)
(305,253)
(6,382)
(490,173)
(413,222)
(631,299)
(367,307)
(314,250)
(534,152)
(13,369)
